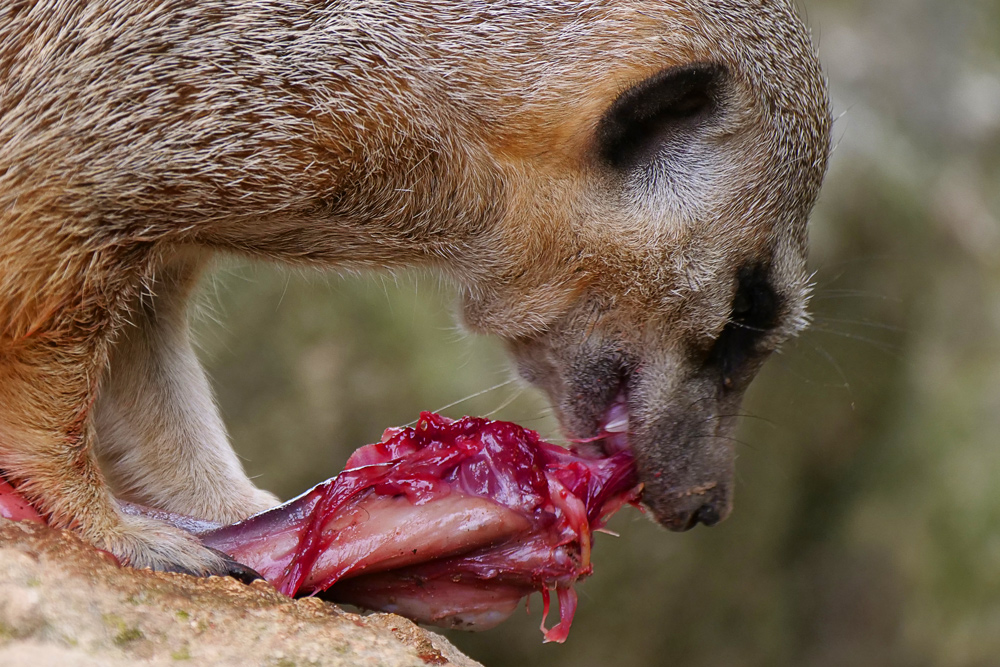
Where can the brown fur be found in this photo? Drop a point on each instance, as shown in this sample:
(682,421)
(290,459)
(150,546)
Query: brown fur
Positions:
(139,136)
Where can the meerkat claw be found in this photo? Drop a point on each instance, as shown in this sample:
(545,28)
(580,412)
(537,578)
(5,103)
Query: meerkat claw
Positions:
(235,569)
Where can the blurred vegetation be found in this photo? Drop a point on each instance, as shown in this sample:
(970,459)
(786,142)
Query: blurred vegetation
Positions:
(867,525)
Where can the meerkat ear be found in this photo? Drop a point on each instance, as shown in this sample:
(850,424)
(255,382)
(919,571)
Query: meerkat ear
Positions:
(647,114)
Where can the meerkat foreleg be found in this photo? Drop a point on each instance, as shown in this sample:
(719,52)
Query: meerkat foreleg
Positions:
(160,439)
(51,361)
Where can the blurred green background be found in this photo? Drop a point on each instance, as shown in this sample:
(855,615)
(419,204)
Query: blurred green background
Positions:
(867,521)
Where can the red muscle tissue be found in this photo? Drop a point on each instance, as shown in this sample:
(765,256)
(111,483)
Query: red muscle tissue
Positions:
(449,523)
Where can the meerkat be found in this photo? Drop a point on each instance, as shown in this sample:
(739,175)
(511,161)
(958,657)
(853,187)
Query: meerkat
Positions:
(618,189)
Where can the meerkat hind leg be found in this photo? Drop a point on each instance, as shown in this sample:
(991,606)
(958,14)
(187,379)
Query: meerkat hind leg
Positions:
(160,438)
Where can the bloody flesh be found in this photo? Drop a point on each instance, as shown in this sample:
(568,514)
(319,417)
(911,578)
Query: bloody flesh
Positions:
(449,522)
(14,507)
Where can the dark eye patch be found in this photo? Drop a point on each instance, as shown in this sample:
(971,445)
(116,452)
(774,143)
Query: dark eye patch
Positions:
(643,117)
(755,312)
(755,304)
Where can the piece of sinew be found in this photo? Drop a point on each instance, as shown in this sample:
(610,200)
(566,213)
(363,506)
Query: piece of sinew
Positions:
(449,523)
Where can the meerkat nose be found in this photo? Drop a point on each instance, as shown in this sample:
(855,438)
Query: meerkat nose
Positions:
(684,514)
(706,514)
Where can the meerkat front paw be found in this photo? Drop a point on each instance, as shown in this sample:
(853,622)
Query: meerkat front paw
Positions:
(262,500)
(236,506)
(141,542)
(225,506)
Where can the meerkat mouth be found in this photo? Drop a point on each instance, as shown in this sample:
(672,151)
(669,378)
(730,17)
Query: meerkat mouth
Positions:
(612,430)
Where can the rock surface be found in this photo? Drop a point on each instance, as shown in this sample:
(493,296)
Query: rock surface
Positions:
(63,603)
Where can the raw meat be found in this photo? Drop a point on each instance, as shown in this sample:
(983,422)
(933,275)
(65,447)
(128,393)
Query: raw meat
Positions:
(449,523)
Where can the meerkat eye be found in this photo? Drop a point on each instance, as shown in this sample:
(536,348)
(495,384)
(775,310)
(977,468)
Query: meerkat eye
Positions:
(644,116)
(755,312)
(755,305)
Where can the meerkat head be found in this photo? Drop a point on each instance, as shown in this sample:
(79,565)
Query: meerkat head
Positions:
(659,172)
